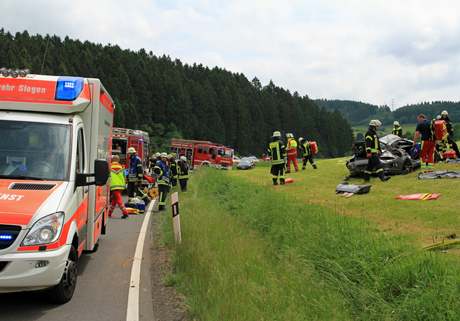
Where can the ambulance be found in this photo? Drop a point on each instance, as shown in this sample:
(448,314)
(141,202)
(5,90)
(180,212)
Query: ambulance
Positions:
(203,153)
(54,174)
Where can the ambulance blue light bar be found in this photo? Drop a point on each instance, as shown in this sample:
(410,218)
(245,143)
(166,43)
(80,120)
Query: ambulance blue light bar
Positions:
(6,237)
(69,88)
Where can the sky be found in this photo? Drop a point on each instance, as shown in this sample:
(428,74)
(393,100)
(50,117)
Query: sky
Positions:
(393,52)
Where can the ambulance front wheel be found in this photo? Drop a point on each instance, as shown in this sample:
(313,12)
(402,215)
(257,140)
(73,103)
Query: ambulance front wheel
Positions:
(63,292)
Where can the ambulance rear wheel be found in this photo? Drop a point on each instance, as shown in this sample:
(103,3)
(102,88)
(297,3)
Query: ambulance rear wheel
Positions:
(63,292)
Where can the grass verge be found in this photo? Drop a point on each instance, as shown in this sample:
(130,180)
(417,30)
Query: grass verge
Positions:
(251,252)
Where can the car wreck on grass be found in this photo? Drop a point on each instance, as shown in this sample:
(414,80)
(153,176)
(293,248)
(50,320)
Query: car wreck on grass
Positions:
(395,157)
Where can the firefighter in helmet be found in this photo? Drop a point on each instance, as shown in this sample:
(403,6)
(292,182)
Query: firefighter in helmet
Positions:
(450,131)
(277,153)
(307,154)
(135,176)
(397,130)
(373,151)
(183,173)
(173,166)
(291,151)
(163,173)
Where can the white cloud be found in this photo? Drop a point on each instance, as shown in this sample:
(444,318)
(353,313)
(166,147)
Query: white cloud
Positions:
(370,51)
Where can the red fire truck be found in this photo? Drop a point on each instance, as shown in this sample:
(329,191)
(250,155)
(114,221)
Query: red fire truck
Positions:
(123,138)
(203,153)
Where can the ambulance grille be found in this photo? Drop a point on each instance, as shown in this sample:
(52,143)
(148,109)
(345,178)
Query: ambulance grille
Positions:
(8,234)
(2,265)
(32,187)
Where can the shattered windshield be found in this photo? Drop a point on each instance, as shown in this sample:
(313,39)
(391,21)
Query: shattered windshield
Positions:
(30,150)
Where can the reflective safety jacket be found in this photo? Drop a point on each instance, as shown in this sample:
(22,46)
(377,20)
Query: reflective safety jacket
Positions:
(117,176)
(372,142)
(136,172)
(163,172)
(277,151)
(173,166)
(291,148)
(305,147)
(182,170)
(450,128)
(397,131)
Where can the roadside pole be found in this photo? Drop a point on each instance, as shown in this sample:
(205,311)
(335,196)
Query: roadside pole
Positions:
(176,218)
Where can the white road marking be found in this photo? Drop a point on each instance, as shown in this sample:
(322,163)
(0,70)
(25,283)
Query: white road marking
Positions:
(134,285)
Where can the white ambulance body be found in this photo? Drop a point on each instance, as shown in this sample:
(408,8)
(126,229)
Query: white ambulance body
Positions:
(54,155)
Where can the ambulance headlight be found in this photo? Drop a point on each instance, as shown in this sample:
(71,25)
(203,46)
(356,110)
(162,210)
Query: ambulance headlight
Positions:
(45,231)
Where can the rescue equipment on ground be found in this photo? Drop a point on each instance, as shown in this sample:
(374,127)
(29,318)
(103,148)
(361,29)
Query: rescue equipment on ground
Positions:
(416,197)
(288,180)
(149,179)
(451,154)
(314,148)
(354,189)
(439,174)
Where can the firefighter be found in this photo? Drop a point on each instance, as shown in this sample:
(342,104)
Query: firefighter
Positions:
(163,173)
(117,185)
(372,152)
(277,153)
(135,176)
(428,144)
(450,130)
(173,166)
(291,151)
(397,130)
(183,173)
(307,154)
(154,160)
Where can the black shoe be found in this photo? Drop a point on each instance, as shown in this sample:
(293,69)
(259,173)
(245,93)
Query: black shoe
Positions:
(385,178)
(125,216)
(275,183)
(282,181)
(163,209)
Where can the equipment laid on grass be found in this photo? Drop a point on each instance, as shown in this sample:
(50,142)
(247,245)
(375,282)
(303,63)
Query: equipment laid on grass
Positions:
(355,189)
(452,154)
(288,180)
(439,174)
(416,197)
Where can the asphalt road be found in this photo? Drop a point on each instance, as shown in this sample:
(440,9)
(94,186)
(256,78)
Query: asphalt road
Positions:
(103,280)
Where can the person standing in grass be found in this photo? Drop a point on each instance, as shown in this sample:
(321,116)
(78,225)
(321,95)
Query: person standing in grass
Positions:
(182,170)
(450,131)
(173,166)
(162,171)
(277,153)
(291,151)
(373,151)
(428,143)
(307,154)
(397,130)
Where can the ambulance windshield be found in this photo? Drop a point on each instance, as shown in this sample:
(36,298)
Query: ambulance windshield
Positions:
(34,150)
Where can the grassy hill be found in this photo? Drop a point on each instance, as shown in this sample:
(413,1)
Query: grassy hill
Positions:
(253,251)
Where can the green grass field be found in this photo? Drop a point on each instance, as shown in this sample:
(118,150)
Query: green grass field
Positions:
(254,251)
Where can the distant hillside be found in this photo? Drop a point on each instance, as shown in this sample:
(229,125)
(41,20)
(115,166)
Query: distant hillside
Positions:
(359,113)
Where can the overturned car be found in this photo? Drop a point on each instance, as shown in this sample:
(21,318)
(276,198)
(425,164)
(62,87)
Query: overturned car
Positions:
(395,157)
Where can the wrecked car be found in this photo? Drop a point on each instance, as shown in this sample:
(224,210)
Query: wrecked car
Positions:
(395,157)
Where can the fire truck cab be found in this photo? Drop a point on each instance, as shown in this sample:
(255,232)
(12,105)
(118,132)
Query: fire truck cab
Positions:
(203,153)
(123,138)
(54,174)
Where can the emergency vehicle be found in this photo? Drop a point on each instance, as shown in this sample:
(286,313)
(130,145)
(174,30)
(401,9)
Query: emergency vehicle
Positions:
(203,153)
(123,138)
(54,170)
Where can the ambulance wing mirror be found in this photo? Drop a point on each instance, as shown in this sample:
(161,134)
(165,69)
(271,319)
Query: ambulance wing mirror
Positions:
(101,174)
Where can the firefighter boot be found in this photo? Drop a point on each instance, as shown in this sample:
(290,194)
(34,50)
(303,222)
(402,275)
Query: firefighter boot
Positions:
(275,181)
(282,181)
(367,177)
(314,166)
(384,179)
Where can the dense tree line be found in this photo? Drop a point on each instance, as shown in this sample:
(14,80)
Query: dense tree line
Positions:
(359,114)
(170,99)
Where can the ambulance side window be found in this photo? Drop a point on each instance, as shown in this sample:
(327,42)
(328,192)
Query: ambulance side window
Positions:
(80,159)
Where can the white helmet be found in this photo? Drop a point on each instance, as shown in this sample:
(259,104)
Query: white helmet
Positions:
(183,158)
(444,112)
(288,135)
(300,139)
(276,134)
(438,117)
(163,155)
(396,123)
(131,150)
